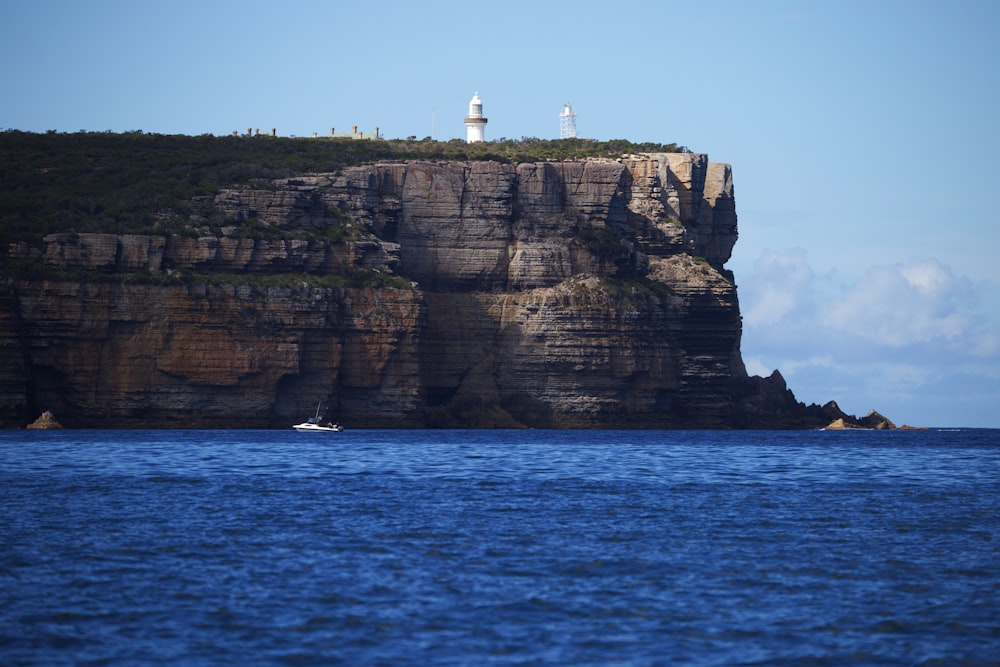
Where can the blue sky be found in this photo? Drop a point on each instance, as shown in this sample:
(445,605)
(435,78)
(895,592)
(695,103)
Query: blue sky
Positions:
(863,137)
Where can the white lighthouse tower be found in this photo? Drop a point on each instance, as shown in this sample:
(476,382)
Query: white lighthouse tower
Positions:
(567,123)
(475,123)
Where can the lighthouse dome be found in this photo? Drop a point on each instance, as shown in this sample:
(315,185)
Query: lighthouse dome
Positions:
(475,107)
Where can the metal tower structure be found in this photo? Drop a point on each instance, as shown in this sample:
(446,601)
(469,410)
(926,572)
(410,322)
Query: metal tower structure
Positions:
(567,123)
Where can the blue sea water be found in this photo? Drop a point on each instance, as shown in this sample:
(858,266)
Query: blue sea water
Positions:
(500,547)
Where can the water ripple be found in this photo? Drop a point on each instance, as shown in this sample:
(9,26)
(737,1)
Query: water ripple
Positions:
(505,547)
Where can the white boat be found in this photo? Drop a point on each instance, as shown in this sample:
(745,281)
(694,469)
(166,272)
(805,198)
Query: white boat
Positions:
(310,426)
(315,425)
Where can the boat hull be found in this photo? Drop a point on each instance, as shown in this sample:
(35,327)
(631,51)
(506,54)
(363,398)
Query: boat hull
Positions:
(316,428)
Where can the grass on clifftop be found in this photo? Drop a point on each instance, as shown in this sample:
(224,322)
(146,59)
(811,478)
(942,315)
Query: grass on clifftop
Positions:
(136,182)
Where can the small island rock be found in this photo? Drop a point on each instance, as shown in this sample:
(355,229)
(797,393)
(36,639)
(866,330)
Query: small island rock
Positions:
(46,422)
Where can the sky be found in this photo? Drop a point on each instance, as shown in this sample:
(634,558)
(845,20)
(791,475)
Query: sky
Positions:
(862,137)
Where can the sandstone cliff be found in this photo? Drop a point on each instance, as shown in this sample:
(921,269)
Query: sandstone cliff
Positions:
(575,294)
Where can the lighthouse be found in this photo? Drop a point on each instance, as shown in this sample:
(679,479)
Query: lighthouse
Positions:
(475,123)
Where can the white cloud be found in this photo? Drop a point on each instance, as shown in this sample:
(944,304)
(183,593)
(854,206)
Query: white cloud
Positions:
(755,366)
(928,276)
(903,304)
(780,284)
(915,340)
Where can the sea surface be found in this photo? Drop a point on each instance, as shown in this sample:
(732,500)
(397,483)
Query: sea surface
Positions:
(500,548)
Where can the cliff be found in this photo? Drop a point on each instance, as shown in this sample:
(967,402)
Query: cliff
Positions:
(585,293)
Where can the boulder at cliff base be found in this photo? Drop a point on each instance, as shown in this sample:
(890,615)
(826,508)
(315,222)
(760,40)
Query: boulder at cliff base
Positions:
(46,422)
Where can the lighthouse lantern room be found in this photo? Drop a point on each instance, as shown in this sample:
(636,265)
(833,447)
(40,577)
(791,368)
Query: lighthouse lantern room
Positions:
(475,123)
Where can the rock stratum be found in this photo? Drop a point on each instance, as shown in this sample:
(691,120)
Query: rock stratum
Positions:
(585,293)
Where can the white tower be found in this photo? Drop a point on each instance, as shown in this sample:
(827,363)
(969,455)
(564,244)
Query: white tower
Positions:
(567,123)
(475,124)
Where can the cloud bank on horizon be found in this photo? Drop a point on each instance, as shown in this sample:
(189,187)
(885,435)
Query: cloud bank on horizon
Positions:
(897,333)
(862,135)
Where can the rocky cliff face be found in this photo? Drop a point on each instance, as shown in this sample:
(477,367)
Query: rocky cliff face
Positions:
(572,294)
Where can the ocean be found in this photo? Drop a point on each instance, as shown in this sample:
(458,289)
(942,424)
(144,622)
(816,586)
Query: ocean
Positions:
(511,547)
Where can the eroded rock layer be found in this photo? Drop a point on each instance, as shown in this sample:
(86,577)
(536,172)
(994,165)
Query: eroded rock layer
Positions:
(573,294)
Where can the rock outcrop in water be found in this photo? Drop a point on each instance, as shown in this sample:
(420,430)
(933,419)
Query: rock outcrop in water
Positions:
(576,294)
(46,422)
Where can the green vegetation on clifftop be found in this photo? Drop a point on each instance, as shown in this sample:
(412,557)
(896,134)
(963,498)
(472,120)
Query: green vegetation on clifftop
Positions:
(150,183)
